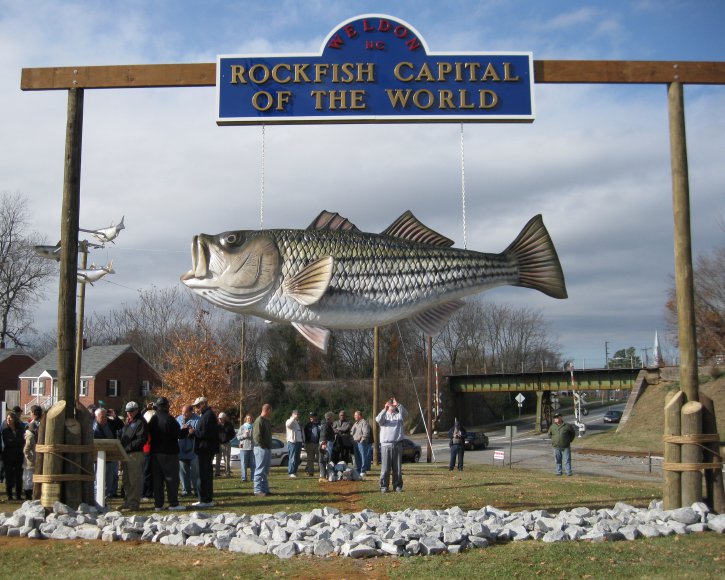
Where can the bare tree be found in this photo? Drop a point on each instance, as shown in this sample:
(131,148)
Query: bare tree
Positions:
(709,283)
(23,273)
(494,337)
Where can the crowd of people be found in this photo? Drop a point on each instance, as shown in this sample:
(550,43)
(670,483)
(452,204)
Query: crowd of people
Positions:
(170,458)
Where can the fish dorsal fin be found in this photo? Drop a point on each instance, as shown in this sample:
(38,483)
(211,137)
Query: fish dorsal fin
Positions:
(408,227)
(331,221)
(432,321)
(314,334)
(310,283)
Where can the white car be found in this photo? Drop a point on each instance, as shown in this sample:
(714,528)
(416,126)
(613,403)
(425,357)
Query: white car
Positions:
(280,455)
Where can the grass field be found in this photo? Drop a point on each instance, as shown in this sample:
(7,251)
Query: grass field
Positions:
(643,431)
(426,486)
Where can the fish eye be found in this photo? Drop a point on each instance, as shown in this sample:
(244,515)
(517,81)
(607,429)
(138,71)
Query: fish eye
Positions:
(230,239)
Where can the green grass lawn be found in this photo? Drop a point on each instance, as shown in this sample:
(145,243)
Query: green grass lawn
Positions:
(426,487)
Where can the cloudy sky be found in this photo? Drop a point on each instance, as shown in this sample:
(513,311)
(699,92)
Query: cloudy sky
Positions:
(595,162)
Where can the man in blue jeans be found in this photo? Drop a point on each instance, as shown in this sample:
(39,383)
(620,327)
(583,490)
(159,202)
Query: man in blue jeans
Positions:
(295,439)
(391,420)
(562,434)
(262,435)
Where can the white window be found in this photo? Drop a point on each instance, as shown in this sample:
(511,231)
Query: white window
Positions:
(145,388)
(112,388)
(37,387)
(84,388)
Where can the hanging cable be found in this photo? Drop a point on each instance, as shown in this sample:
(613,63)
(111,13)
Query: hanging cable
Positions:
(463,189)
(412,380)
(261,194)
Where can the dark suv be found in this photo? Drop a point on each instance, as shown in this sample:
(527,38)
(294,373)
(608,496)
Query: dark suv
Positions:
(475,440)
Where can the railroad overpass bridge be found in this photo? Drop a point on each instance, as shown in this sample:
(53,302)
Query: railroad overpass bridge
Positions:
(544,383)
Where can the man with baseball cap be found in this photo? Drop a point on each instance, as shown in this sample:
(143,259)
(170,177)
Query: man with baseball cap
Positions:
(562,434)
(134,435)
(206,446)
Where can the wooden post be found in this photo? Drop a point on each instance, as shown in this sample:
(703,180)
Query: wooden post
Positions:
(69,250)
(72,495)
(53,462)
(672,492)
(87,459)
(376,393)
(38,487)
(683,244)
(691,453)
(715,491)
(429,385)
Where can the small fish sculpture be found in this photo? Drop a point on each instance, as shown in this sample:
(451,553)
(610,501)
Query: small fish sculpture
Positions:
(105,235)
(49,252)
(53,252)
(94,274)
(332,275)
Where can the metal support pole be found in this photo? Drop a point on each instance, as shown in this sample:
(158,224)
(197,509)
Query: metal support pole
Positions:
(69,250)
(683,244)
(79,329)
(241,376)
(429,457)
(376,391)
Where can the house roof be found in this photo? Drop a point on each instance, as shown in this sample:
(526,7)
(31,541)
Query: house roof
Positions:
(6,353)
(93,361)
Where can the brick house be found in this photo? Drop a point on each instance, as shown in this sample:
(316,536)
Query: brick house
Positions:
(113,374)
(13,361)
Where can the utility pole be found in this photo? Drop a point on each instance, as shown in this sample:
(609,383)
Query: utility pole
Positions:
(606,354)
(646,356)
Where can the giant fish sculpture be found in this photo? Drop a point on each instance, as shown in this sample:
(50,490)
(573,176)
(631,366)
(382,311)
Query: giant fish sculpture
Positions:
(332,275)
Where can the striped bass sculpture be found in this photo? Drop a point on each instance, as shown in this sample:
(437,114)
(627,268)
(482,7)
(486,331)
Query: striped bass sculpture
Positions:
(332,275)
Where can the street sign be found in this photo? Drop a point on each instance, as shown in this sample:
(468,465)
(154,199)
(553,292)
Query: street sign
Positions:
(520,399)
(510,431)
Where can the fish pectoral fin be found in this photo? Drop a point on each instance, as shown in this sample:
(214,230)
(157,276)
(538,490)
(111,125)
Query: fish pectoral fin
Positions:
(314,334)
(432,321)
(328,220)
(310,283)
(408,227)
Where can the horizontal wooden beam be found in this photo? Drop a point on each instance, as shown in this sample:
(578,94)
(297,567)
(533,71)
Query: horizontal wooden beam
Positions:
(204,74)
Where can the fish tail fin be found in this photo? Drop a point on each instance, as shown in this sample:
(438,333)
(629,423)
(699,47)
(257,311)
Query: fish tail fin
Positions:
(538,262)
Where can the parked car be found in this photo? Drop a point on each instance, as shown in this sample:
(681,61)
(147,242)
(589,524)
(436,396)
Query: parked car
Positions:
(475,440)
(612,416)
(280,455)
(411,451)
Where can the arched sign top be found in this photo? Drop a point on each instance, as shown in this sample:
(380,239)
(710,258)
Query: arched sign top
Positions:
(375,68)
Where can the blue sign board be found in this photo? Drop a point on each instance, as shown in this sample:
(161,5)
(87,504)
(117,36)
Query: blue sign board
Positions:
(375,68)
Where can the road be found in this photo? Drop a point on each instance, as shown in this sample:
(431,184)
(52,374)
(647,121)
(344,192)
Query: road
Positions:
(531,450)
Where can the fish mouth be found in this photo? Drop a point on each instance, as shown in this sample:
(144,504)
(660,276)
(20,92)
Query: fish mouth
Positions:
(199,275)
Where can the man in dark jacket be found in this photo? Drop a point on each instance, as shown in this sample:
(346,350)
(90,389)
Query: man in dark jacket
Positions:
(562,434)
(262,435)
(134,435)
(165,433)
(206,446)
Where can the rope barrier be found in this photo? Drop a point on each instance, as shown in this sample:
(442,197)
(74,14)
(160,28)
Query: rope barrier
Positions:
(420,407)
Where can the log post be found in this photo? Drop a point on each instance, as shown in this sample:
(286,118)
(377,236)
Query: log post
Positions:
(691,453)
(72,493)
(37,487)
(672,492)
(87,459)
(53,462)
(684,286)
(715,491)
